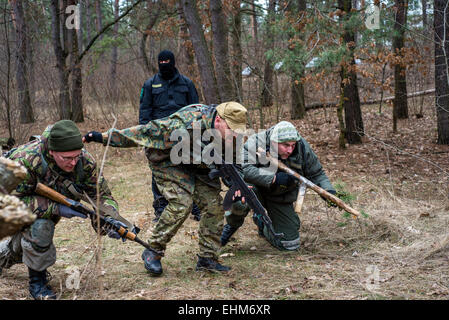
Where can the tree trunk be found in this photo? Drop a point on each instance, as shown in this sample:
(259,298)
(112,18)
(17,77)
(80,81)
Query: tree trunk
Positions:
(424,14)
(88,23)
(441,26)
(187,56)
(349,89)
(220,45)
(298,104)
(23,87)
(61,55)
(153,10)
(99,17)
(237,53)
(203,57)
(114,56)
(254,28)
(32,25)
(267,86)
(6,96)
(400,107)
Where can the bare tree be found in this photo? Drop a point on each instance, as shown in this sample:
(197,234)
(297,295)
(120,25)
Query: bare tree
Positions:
(441,26)
(114,55)
(203,56)
(60,49)
(23,87)
(349,99)
(220,46)
(267,87)
(400,106)
(237,52)
(153,9)
(298,105)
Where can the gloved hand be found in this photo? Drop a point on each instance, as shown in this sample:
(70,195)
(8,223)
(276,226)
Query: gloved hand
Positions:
(68,212)
(135,230)
(111,232)
(283,179)
(94,136)
(328,202)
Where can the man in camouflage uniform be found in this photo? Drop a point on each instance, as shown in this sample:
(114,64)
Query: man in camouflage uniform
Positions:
(277,190)
(58,161)
(182,183)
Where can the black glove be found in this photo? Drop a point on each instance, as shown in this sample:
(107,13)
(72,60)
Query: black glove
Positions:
(111,232)
(94,136)
(283,179)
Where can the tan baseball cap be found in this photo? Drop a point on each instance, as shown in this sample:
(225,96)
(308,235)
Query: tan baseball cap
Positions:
(234,114)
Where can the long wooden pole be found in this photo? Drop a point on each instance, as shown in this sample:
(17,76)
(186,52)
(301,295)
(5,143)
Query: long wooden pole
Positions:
(313,186)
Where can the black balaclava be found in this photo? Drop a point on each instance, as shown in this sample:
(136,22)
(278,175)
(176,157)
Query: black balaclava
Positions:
(167,70)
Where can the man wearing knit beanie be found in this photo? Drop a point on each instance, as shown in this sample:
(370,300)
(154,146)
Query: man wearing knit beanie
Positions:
(56,159)
(277,191)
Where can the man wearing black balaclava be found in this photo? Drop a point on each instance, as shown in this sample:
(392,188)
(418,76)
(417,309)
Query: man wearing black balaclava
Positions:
(161,95)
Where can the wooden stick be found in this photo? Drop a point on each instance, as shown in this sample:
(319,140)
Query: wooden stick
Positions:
(313,186)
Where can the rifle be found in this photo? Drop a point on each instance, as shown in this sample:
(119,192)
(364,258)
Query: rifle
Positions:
(51,194)
(312,186)
(229,172)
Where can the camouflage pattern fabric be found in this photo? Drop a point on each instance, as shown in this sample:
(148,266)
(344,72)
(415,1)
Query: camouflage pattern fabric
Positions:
(41,167)
(180,187)
(179,184)
(156,133)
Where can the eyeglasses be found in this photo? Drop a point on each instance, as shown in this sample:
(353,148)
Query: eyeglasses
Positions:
(70,159)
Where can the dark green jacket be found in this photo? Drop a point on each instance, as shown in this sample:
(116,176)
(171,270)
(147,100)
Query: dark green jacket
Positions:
(303,160)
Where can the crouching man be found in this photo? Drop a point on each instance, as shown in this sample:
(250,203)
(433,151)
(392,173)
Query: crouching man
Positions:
(57,159)
(277,191)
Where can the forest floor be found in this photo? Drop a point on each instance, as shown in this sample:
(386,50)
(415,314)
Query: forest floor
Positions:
(400,250)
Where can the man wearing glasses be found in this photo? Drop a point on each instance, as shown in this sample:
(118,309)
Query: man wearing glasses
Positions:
(58,160)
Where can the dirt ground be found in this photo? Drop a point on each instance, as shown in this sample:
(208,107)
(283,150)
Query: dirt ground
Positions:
(400,250)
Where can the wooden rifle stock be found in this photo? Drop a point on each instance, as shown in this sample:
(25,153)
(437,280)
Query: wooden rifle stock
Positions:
(54,195)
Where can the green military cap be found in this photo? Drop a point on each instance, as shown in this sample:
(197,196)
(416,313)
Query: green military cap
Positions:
(65,136)
(234,114)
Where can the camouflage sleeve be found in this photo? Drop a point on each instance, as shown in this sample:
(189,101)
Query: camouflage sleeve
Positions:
(155,134)
(41,206)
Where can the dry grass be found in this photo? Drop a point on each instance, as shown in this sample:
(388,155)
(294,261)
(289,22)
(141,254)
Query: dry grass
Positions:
(400,251)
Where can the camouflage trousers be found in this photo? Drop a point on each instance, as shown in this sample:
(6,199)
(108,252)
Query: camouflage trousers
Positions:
(181,187)
(33,246)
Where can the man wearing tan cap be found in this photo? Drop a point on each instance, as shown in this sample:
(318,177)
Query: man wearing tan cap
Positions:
(181,183)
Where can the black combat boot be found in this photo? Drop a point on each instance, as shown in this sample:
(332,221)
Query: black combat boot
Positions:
(152,262)
(210,264)
(196,213)
(228,231)
(38,287)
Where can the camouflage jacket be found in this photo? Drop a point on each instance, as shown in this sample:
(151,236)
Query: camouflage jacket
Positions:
(156,133)
(303,160)
(156,137)
(41,167)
